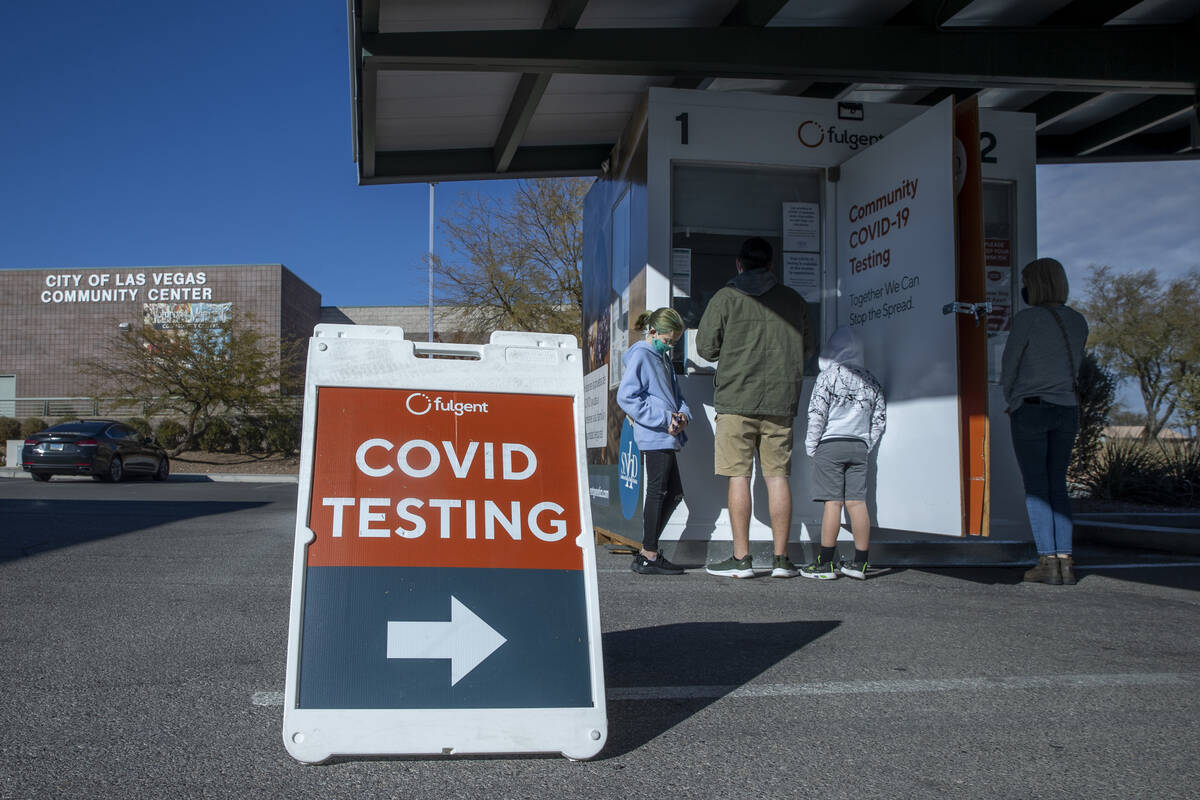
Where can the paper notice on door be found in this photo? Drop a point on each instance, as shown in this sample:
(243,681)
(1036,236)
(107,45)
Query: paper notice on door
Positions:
(998,287)
(681,272)
(802,272)
(801,226)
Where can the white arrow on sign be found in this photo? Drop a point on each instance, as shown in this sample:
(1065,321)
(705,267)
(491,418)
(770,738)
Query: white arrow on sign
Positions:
(466,640)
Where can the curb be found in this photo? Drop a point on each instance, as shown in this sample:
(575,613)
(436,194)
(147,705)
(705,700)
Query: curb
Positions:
(1160,538)
(186,477)
(222,477)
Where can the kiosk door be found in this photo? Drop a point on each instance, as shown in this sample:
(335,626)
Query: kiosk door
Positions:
(896,270)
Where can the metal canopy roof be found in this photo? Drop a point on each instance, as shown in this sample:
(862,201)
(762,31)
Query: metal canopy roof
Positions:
(470,89)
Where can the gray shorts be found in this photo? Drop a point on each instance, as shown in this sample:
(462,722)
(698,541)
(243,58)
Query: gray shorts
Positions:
(840,470)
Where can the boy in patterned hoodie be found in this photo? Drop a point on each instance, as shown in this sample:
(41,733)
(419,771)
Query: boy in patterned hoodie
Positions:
(846,418)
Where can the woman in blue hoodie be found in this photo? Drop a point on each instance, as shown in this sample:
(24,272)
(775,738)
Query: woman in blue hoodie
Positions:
(649,394)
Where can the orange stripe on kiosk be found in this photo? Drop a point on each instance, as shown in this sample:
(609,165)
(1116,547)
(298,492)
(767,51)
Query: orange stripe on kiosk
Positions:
(444,580)
(972,335)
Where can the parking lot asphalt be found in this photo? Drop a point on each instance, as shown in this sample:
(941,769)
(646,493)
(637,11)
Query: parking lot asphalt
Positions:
(143,654)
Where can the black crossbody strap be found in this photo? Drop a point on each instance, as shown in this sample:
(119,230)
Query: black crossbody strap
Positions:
(1070,356)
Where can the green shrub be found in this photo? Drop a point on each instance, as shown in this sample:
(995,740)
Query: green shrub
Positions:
(1152,473)
(283,431)
(1097,388)
(1181,462)
(32,425)
(217,436)
(250,434)
(1125,469)
(170,433)
(141,425)
(10,429)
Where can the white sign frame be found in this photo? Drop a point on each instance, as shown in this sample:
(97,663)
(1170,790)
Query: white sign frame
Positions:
(380,357)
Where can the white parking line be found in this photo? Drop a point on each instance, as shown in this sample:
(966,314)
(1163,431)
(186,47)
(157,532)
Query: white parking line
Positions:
(906,686)
(1084,568)
(901,686)
(1136,565)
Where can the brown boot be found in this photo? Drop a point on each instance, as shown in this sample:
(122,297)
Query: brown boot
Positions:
(1066,568)
(1046,571)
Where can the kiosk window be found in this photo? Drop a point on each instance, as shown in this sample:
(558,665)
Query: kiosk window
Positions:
(715,208)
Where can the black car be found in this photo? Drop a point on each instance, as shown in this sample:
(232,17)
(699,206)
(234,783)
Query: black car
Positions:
(103,448)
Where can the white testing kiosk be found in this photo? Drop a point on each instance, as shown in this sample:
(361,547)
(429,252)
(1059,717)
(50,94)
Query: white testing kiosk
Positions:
(698,172)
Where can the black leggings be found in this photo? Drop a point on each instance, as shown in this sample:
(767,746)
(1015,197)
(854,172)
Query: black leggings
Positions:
(664,492)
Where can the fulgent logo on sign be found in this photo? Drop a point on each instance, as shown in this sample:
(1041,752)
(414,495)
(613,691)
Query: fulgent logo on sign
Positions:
(813,134)
(419,404)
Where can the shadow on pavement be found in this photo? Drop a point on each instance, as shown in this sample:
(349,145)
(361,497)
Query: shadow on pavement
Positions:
(712,658)
(1186,576)
(36,526)
(990,576)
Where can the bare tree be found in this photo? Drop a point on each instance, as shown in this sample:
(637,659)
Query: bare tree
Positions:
(516,263)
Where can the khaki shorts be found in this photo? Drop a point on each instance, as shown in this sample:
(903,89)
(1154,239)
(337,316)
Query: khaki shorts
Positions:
(738,438)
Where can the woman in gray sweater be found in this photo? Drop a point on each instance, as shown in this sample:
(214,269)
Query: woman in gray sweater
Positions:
(1038,374)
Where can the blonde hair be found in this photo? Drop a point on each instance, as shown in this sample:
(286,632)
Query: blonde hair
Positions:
(1046,281)
(663,320)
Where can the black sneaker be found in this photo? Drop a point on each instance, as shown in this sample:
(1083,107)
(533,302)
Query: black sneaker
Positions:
(662,562)
(855,569)
(659,566)
(821,570)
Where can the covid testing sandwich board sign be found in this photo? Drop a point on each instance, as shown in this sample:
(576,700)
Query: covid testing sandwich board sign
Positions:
(444,579)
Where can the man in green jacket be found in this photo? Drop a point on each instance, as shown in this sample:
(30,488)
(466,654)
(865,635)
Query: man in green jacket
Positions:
(756,329)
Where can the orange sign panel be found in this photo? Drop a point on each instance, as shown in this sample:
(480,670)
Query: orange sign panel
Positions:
(424,478)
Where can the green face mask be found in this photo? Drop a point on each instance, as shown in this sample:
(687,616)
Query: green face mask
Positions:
(660,346)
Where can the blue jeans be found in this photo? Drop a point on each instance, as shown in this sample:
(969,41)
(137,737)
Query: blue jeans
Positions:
(1043,435)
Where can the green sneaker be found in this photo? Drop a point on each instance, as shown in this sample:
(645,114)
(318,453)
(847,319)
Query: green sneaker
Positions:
(783,568)
(822,571)
(855,569)
(732,568)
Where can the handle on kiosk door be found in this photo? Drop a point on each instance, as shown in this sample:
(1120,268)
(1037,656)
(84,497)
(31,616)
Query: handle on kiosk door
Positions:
(977,310)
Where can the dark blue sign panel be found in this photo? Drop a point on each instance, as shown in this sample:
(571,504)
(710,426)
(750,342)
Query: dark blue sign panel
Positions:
(542,661)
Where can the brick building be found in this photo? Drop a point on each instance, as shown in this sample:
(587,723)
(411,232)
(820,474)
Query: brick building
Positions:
(50,319)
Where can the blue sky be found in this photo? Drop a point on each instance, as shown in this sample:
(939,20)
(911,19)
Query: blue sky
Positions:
(140,134)
(147,134)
